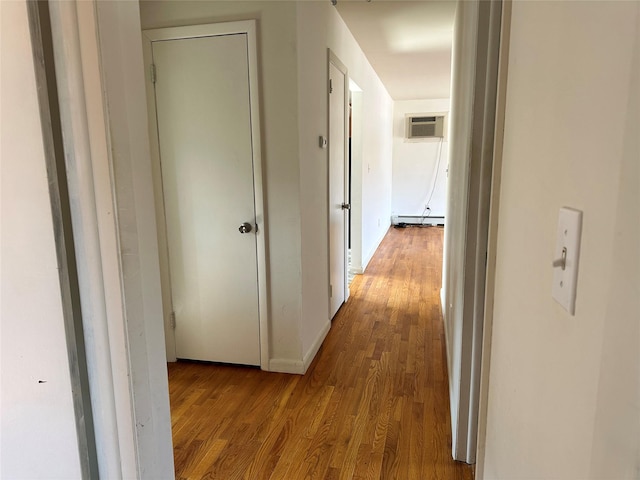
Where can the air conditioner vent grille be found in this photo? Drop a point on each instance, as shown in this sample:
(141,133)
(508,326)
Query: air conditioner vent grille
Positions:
(425,126)
(422,119)
(423,130)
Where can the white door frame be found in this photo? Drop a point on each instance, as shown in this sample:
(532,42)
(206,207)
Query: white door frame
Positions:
(468,269)
(332,59)
(247,27)
(97,61)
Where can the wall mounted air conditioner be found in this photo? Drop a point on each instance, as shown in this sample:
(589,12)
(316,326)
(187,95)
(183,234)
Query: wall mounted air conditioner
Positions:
(425,126)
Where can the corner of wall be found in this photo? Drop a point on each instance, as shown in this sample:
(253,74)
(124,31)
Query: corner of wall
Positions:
(311,353)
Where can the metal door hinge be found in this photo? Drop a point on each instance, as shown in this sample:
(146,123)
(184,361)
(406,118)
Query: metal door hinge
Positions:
(153,73)
(172,320)
(330,86)
(330,291)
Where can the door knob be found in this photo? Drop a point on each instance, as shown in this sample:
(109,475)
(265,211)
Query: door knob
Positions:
(245,228)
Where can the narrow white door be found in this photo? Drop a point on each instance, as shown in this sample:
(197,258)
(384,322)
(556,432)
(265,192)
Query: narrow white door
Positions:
(337,191)
(204,129)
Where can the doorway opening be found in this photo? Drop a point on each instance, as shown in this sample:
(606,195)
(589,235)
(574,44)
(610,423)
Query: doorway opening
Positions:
(138,363)
(355,181)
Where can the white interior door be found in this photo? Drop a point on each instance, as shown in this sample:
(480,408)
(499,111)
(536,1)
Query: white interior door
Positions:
(204,129)
(337,190)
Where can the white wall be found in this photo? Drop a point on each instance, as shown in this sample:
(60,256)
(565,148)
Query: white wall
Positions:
(320,27)
(293,39)
(376,128)
(37,419)
(415,163)
(277,76)
(564,399)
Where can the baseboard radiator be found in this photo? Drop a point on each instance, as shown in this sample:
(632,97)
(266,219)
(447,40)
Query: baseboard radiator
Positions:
(402,220)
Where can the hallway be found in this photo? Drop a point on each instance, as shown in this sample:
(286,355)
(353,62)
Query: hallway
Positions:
(373,405)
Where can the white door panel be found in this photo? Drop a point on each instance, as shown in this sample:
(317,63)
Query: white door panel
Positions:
(337,191)
(204,129)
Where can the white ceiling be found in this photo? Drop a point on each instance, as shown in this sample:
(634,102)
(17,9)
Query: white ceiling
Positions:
(408,43)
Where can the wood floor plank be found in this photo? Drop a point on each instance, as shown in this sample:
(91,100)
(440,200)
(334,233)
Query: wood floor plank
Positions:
(210,453)
(373,405)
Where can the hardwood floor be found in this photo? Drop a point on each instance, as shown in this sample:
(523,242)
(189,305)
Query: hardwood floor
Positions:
(373,405)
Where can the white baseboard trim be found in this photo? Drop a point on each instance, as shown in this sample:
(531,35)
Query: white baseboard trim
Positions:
(286,365)
(299,367)
(453,400)
(315,346)
(368,258)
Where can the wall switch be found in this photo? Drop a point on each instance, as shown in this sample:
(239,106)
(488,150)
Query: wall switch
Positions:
(567,254)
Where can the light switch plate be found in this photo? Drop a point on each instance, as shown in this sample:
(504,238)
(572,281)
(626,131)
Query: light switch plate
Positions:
(565,278)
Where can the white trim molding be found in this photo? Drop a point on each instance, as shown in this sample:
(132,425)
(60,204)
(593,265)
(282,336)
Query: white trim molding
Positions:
(82,114)
(98,53)
(286,365)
